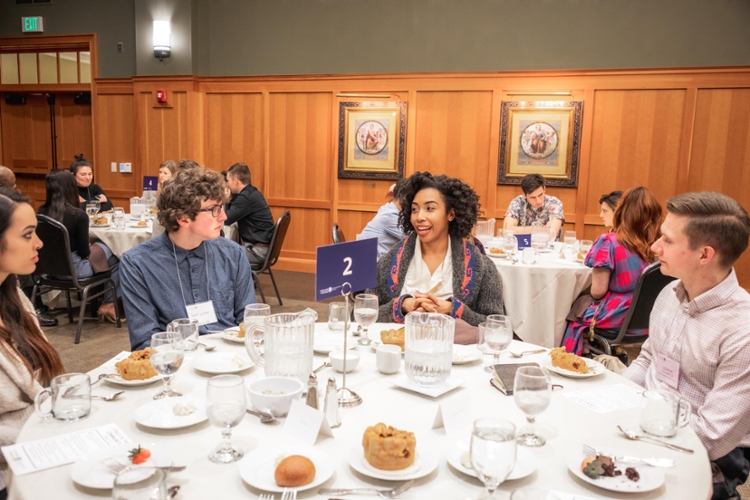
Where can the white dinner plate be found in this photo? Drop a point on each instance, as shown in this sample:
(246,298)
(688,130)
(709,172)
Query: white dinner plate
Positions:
(136,226)
(465,354)
(424,463)
(159,414)
(595,368)
(89,471)
(651,477)
(325,342)
(118,380)
(101,225)
(458,457)
(219,363)
(453,382)
(258,467)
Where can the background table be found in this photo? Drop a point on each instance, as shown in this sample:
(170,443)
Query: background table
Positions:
(538,297)
(565,424)
(122,240)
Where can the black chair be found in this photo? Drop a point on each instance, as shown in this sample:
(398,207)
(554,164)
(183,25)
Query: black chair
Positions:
(274,249)
(650,284)
(337,235)
(55,271)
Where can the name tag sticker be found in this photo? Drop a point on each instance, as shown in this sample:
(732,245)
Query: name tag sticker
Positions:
(668,371)
(204,312)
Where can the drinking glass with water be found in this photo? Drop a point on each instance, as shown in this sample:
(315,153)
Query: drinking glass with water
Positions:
(569,238)
(70,394)
(226,404)
(167,354)
(429,347)
(495,336)
(493,452)
(141,483)
(365,310)
(532,392)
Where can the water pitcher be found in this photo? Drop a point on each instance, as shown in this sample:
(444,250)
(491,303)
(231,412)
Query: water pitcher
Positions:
(429,347)
(286,349)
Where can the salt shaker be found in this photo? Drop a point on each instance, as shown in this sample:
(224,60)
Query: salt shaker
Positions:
(312,391)
(331,409)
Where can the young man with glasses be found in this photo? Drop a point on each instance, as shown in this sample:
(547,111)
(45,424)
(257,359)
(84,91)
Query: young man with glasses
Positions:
(189,271)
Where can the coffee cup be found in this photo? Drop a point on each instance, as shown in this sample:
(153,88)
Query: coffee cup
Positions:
(71,397)
(663,413)
(528,256)
(388,358)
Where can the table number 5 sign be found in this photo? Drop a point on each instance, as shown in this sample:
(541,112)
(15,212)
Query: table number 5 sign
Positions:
(353,263)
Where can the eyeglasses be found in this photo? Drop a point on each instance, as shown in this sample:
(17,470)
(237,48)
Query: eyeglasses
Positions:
(215,210)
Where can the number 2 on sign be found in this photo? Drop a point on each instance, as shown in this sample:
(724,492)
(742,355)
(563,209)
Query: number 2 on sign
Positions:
(348,269)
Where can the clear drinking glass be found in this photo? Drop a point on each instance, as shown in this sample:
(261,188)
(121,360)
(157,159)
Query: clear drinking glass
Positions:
(256,314)
(539,236)
(188,330)
(167,354)
(142,483)
(510,245)
(494,337)
(429,347)
(336,315)
(365,310)
(532,392)
(226,404)
(91,209)
(585,247)
(569,238)
(118,217)
(493,452)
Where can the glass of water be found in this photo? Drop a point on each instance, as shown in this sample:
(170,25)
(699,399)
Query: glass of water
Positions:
(493,452)
(226,404)
(256,314)
(91,209)
(495,336)
(141,483)
(569,238)
(532,392)
(510,245)
(189,329)
(585,247)
(167,354)
(539,236)
(365,310)
(429,347)
(118,217)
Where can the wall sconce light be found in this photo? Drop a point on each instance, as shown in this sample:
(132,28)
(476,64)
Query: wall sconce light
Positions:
(162,39)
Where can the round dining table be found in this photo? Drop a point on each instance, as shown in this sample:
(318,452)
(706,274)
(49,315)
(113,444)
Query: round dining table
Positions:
(566,424)
(122,240)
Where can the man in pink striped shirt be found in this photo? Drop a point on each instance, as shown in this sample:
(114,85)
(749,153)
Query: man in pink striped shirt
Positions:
(699,331)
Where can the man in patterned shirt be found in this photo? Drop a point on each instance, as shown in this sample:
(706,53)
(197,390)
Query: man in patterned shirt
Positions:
(699,333)
(534,205)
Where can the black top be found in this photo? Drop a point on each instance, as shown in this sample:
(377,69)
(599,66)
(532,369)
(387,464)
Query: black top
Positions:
(252,215)
(77,223)
(90,193)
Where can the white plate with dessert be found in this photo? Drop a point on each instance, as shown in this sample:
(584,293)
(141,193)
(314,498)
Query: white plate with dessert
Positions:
(463,354)
(294,467)
(118,380)
(571,366)
(220,363)
(233,335)
(460,459)
(135,370)
(424,463)
(89,471)
(172,413)
(631,479)
(403,460)
(138,225)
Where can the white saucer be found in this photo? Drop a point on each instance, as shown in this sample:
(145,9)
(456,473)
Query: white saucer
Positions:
(324,343)
(116,379)
(425,462)
(525,460)
(159,414)
(453,382)
(595,368)
(88,470)
(258,467)
(100,226)
(651,477)
(136,226)
(463,354)
(222,362)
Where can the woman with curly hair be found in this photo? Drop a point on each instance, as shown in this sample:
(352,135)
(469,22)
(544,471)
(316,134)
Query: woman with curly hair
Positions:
(618,258)
(437,215)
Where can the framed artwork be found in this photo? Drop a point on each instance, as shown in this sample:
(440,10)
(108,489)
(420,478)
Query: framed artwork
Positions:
(371,140)
(541,137)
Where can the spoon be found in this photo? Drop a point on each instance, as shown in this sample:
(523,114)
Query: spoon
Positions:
(111,397)
(522,354)
(266,417)
(635,436)
(207,348)
(324,365)
(101,377)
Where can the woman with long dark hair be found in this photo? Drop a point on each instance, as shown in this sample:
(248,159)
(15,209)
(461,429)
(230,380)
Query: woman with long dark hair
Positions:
(618,258)
(27,361)
(62,205)
(87,190)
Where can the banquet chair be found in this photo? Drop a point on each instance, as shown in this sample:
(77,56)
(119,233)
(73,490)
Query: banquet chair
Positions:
(274,249)
(337,234)
(650,284)
(55,271)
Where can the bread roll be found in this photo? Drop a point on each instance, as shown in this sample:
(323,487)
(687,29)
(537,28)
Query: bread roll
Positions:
(294,470)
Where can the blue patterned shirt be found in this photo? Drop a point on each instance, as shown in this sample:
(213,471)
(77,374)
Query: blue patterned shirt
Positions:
(521,210)
(151,288)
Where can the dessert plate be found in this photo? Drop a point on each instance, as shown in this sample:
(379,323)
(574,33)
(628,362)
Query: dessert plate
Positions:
(465,354)
(89,471)
(458,457)
(118,380)
(160,414)
(453,382)
(231,335)
(595,368)
(425,462)
(136,226)
(101,225)
(651,477)
(222,362)
(258,467)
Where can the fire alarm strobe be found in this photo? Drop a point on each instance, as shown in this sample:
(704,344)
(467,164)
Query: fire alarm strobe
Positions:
(161,95)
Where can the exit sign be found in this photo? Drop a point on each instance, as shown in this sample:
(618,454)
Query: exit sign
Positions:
(32,24)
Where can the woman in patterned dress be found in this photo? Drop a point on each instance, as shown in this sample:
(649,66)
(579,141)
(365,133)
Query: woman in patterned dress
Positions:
(618,259)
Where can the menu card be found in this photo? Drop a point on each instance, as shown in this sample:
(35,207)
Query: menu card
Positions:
(60,450)
(608,399)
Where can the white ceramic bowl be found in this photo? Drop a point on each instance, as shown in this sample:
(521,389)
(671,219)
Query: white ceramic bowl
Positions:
(337,360)
(275,394)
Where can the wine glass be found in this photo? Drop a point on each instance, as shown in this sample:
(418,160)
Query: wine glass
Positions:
(495,336)
(142,483)
(585,247)
(226,404)
(493,452)
(167,354)
(365,311)
(532,393)
(569,238)
(91,209)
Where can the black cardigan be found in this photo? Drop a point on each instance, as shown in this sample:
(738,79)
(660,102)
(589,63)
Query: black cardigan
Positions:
(77,223)
(90,194)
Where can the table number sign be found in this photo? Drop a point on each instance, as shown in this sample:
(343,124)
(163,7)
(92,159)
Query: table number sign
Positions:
(524,241)
(353,263)
(150,183)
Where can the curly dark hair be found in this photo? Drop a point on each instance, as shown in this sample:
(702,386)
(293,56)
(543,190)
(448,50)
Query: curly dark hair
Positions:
(183,195)
(456,194)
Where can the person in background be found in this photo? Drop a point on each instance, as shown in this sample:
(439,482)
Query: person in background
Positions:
(27,361)
(186,164)
(189,266)
(167,170)
(618,258)
(250,211)
(7,178)
(437,268)
(535,206)
(62,205)
(699,328)
(608,203)
(384,226)
(87,190)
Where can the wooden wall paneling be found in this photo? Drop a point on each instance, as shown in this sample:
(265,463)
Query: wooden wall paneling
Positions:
(115,137)
(369,192)
(74,130)
(351,223)
(164,131)
(27,142)
(308,229)
(584,162)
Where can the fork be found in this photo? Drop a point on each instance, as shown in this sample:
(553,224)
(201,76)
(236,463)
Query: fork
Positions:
(116,467)
(288,494)
(266,496)
(389,493)
(653,462)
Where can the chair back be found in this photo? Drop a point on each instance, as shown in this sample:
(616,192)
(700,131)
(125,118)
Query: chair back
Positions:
(649,286)
(54,256)
(337,235)
(277,240)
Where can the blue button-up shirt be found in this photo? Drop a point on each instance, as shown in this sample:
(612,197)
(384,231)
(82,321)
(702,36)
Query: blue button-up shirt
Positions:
(151,287)
(384,226)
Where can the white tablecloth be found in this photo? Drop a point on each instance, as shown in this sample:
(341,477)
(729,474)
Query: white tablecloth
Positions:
(565,424)
(538,297)
(122,240)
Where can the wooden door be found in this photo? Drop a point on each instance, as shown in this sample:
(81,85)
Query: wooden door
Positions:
(73,127)
(27,139)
